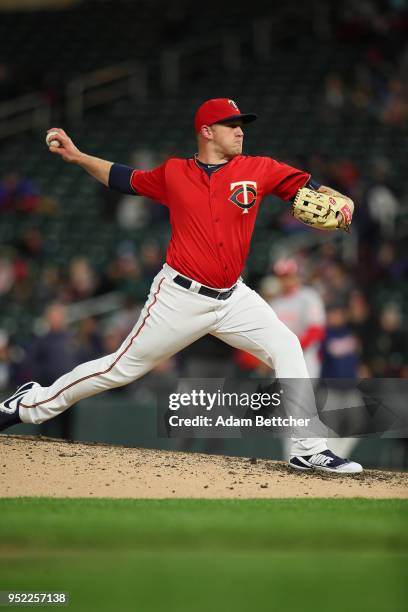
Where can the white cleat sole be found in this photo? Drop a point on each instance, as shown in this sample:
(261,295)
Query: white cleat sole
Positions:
(349,468)
(301,469)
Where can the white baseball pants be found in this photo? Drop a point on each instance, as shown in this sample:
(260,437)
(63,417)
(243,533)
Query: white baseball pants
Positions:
(172,318)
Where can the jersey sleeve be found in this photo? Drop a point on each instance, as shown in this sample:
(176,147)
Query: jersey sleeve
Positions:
(150,183)
(283,180)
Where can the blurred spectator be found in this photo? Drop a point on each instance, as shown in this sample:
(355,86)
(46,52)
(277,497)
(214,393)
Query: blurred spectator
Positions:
(82,280)
(12,372)
(382,204)
(361,322)
(112,339)
(337,283)
(22,290)
(18,193)
(30,244)
(389,345)
(390,264)
(340,348)
(361,91)
(88,340)
(339,372)
(7,275)
(127,273)
(121,323)
(378,82)
(131,212)
(344,176)
(4,360)
(334,97)
(49,286)
(301,309)
(151,259)
(395,111)
(50,356)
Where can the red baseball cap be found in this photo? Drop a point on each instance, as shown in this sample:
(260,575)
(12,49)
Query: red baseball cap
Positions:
(220,110)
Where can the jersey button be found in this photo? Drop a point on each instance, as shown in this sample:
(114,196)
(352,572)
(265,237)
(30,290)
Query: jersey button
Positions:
(225,267)
(221,244)
(216,220)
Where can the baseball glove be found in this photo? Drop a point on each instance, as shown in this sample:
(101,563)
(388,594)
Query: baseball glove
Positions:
(320,210)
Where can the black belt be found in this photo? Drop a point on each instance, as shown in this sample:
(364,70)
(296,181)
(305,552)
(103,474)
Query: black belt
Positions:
(212,293)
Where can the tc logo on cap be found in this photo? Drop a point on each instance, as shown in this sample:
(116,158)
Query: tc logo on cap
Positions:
(218,110)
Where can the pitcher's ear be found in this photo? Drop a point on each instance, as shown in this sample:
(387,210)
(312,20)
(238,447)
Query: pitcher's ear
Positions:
(206,131)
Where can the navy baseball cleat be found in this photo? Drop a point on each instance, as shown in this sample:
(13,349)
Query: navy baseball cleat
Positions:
(9,414)
(326,461)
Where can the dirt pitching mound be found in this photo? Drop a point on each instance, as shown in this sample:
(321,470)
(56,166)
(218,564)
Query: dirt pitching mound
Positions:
(38,466)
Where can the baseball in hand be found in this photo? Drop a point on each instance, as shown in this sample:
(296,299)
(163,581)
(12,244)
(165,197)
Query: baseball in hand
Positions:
(51,139)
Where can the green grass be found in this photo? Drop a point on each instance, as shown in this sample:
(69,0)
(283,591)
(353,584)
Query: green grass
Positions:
(208,555)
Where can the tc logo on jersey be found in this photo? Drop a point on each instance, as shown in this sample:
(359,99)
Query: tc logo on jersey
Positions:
(243,195)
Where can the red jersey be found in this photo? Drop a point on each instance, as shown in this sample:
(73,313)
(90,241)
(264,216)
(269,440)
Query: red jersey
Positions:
(213,217)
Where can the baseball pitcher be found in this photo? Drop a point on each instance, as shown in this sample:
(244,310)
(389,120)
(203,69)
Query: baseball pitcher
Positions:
(213,199)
